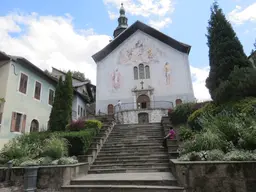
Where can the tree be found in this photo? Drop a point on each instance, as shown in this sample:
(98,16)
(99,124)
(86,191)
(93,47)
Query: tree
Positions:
(80,76)
(67,98)
(47,72)
(225,51)
(61,113)
(55,122)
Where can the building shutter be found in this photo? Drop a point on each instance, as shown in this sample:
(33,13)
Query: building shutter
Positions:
(23,128)
(13,121)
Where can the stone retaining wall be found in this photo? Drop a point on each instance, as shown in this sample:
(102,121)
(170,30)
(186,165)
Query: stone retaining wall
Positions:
(215,176)
(49,177)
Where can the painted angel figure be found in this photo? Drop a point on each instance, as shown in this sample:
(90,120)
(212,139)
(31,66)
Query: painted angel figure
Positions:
(167,71)
(116,79)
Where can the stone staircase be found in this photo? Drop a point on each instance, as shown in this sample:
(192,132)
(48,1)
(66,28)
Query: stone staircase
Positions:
(132,159)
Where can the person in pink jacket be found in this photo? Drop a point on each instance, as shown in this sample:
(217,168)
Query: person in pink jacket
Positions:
(171,135)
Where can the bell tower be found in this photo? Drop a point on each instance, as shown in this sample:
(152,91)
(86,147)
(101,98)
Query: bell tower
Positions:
(122,22)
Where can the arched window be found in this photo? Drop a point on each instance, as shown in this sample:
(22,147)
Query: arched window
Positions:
(34,127)
(135,73)
(141,71)
(147,72)
(178,102)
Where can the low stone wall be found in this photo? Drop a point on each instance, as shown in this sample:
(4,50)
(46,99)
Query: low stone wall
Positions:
(215,176)
(49,177)
(131,116)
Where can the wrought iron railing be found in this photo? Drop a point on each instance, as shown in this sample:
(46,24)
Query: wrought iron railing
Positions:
(144,106)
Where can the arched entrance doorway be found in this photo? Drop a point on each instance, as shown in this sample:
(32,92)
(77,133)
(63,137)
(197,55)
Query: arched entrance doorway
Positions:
(143,118)
(34,127)
(178,101)
(143,102)
(110,109)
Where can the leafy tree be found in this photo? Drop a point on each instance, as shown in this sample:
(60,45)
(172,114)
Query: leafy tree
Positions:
(47,72)
(225,51)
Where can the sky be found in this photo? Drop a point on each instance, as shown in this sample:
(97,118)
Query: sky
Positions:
(66,33)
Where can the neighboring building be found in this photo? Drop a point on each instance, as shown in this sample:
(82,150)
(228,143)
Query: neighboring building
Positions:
(145,69)
(28,94)
(84,95)
(252,58)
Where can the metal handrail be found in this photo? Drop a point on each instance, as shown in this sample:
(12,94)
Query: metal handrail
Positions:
(149,106)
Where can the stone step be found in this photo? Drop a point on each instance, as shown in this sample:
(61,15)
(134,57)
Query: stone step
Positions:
(136,134)
(120,188)
(134,158)
(129,170)
(132,142)
(125,182)
(145,149)
(110,139)
(127,161)
(130,154)
(158,130)
(133,165)
(135,146)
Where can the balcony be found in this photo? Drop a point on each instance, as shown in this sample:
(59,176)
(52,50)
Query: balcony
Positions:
(142,113)
(144,106)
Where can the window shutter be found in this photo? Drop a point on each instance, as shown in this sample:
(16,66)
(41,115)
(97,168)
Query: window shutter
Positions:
(23,128)
(13,121)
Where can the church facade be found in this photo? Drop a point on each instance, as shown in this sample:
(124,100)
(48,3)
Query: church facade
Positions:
(146,70)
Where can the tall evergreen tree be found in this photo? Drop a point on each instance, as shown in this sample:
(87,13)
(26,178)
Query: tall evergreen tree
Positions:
(225,50)
(55,121)
(67,98)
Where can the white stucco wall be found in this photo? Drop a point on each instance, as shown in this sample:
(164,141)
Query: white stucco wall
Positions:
(25,103)
(78,101)
(4,73)
(180,86)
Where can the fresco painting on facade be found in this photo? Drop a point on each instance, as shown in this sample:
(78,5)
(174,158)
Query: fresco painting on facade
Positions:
(167,71)
(116,77)
(140,51)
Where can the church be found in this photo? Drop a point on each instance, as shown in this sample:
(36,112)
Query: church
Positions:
(144,70)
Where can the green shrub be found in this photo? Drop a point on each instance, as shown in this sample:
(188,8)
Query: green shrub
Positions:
(67,161)
(185,133)
(95,124)
(204,141)
(213,155)
(55,147)
(78,125)
(181,113)
(193,119)
(79,142)
(226,124)
(248,135)
(240,155)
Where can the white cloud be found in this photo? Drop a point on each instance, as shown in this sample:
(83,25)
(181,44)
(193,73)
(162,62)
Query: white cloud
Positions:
(51,41)
(240,16)
(158,24)
(151,9)
(199,76)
